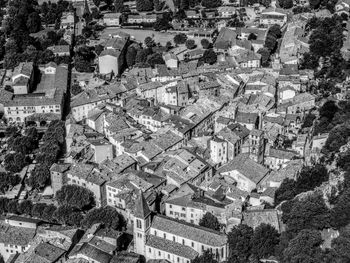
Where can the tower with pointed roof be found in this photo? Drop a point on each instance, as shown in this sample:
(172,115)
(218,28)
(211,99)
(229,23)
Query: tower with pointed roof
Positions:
(142,223)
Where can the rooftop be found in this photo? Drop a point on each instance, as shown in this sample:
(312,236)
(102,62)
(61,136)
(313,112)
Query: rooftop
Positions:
(192,232)
(247,167)
(171,247)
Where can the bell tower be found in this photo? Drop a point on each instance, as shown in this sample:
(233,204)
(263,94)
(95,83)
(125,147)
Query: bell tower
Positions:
(142,223)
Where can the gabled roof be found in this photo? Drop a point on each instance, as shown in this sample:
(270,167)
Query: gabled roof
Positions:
(189,231)
(171,247)
(141,207)
(247,167)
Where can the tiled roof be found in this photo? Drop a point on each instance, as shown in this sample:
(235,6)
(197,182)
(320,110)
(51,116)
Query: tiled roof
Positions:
(192,232)
(247,167)
(94,253)
(282,154)
(141,207)
(171,247)
(19,236)
(126,257)
(52,94)
(246,117)
(24,68)
(49,252)
(98,94)
(60,167)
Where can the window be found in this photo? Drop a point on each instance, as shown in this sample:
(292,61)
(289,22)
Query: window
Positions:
(164,235)
(183,209)
(149,250)
(168,256)
(171,212)
(158,253)
(183,241)
(155,233)
(202,248)
(174,238)
(192,244)
(138,223)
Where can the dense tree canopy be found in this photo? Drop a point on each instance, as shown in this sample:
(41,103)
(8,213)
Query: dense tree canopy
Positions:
(210,221)
(211,3)
(190,44)
(144,5)
(240,242)
(106,215)
(210,56)
(206,257)
(286,4)
(7,180)
(304,248)
(264,241)
(75,195)
(180,39)
(205,43)
(307,213)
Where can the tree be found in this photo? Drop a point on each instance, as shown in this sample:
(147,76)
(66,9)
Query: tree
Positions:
(205,43)
(180,39)
(304,247)
(3,205)
(340,214)
(286,191)
(38,209)
(265,56)
(211,3)
(206,257)
(48,212)
(341,245)
(68,215)
(142,55)
(311,177)
(275,31)
(270,42)
(40,177)
(25,207)
(235,22)
(149,42)
(7,181)
(106,215)
(97,3)
(190,44)
(161,24)
(130,56)
(286,4)
(14,162)
(75,195)
(11,131)
(308,213)
(252,36)
(309,120)
(314,4)
(12,206)
(210,221)
(240,244)
(338,136)
(158,5)
(119,6)
(264,241)
(75,89)
(34,22)
(155,59)
(209,56)
(144,5)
